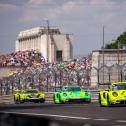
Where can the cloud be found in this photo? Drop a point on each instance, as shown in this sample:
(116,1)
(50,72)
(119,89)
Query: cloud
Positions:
(53,9)
(97,11)
(34,10)
(64,8)
(30,15)
(7,7)
(68,6)
(97,2)
(38,2)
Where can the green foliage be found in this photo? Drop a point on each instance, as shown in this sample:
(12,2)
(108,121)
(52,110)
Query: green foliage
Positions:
(119,42)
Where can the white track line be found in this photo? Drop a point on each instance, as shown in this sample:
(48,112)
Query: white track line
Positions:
(62,116)
(51,115)
(101,119)
(123,121)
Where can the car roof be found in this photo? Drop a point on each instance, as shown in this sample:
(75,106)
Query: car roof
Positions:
(71,86)
(30,89)
(118,83)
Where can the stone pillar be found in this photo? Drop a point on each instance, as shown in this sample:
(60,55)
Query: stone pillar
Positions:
(67,48)
(17,45)
(52,49)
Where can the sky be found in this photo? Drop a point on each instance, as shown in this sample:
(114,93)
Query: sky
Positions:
(82,18)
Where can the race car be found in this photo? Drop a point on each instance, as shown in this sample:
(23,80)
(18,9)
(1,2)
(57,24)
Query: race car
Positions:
(71,93)
(30,95)
(116,95)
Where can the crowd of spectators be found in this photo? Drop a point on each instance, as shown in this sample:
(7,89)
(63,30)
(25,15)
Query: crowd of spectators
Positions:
(31,58)
(21,59)
(34,65)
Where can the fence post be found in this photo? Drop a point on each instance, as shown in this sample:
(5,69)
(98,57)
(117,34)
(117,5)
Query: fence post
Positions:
(121,76)
(98,76)
(109,77)
(55,80)
(12,84)
(39,82)
(7,89)
(78,78)
(60,79)
(1,87)
(47,83)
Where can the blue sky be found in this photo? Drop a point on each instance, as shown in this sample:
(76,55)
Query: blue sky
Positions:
(82,18)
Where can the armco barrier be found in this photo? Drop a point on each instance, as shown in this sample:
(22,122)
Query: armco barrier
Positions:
(49,96)
(8,99)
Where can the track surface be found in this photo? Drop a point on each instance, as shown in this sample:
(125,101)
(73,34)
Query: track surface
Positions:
(80,114)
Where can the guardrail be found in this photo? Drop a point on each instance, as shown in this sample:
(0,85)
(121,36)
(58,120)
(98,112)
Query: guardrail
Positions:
(8,99)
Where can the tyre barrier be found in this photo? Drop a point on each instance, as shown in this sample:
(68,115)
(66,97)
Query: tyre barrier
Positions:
(9,99)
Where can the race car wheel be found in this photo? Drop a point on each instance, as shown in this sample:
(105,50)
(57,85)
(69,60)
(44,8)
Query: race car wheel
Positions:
(99,98)
(108,102)
(54,99)
(88,101)
(42,100)
(60,99)
(15,101)
(19,100)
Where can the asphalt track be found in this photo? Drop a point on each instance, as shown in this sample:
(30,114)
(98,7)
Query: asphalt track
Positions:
(75,114)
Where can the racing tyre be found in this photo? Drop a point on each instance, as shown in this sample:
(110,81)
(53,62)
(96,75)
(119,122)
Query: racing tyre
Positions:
(19,100)
(42,100)
(99,98)
(60,100)
(15,101)
(108,102)
(88,101)
(54,99)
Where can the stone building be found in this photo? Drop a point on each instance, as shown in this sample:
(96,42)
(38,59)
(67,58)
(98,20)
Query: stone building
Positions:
(53,45)
(108,65)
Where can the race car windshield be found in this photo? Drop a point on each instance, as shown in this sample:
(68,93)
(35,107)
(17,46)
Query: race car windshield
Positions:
(73,89)
(30,91)
(119,87)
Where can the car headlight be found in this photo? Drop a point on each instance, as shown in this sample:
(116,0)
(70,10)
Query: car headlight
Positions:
(115,94)
(65,94)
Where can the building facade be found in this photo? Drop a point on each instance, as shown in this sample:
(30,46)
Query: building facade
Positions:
(108,65)
(53,45)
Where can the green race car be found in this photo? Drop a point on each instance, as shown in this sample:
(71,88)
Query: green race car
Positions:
(29,95)
(116,95)
(71,94)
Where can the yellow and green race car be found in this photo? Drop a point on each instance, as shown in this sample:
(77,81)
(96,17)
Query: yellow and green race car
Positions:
(116,95)
(29,95)
(71,93)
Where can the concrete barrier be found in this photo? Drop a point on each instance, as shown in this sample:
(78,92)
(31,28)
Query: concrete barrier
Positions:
(9,99)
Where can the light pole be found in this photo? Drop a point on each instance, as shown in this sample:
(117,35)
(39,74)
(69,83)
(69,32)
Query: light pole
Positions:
(103,54)
(118,60)
(47,33)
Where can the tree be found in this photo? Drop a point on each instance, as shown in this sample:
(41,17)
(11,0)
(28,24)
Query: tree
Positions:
(120,41)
